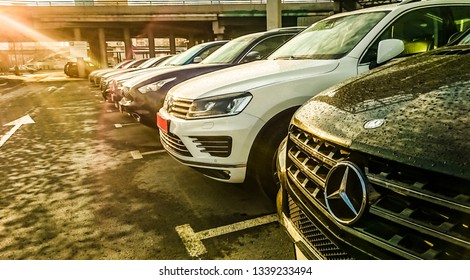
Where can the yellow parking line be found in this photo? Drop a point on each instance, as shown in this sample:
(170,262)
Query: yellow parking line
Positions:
(120,125)
(138,155)
(193,240)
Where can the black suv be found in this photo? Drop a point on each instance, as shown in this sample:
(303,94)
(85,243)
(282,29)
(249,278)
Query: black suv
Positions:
(71,68)
(379,167)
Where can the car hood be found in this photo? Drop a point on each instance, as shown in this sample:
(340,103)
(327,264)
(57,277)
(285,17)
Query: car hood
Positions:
(132,74)
(415,112)
(117,72)
(101,71)
(179,71)
(249,76)
(141,77)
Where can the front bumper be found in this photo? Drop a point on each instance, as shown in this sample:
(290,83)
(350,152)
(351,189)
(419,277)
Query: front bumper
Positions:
(217,147)
(307,233)
(404,218)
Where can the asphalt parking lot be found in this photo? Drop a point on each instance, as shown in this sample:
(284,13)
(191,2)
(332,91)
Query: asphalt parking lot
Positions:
(80,180)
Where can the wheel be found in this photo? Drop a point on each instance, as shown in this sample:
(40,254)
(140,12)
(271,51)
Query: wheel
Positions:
(262,161)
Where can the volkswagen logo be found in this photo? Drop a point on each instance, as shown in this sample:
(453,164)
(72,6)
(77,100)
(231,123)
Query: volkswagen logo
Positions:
(346,192)
(169,104)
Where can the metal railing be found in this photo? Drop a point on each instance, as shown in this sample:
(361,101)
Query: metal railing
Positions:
(142,2)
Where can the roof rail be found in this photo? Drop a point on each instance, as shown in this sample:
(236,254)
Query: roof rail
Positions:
(372,3)
(410,1)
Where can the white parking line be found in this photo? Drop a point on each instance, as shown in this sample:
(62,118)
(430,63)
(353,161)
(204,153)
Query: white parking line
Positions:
(193,240)
(138,155)
(120,125)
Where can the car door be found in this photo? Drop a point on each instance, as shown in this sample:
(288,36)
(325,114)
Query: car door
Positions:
(420,30)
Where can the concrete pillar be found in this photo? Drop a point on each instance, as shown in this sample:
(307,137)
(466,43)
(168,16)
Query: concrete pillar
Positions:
(128,44)
(81,67)
(172,44)
(191,40)
(77,35)
(218,30)
(273,14)
(151,43)
(95,51)
(103,48)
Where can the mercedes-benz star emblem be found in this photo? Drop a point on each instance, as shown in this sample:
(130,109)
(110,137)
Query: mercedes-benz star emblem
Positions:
(346,192)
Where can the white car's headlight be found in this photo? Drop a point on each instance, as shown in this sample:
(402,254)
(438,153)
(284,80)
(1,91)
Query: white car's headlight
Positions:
(225,105)
(155,85)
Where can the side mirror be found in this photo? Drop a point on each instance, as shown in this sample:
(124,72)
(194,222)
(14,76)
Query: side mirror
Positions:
(252,56)
(197,59)
(389,49)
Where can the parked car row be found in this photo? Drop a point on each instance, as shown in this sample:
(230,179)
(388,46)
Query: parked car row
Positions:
(143,95)
(112,87)
(364,164)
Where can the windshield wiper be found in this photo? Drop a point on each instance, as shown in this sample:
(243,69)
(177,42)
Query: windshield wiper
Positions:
(289,57)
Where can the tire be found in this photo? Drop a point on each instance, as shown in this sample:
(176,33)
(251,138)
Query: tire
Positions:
(262,160)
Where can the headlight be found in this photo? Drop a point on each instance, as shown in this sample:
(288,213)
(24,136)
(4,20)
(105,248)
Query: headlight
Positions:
(124,91)
(155,85)
(226,105)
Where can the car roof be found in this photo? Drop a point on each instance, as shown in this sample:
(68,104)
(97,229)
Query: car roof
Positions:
(401,6)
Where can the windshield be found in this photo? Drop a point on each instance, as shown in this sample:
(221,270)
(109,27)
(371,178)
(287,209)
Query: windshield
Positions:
(465,40)
(168,61)
(185,56)
(149,62)
(330,38)
(122,63)
(230,51)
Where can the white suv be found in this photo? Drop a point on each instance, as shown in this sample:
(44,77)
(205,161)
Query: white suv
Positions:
(229,123)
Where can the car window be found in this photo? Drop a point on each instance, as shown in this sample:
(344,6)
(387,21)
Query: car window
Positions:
(208,51)
(188,55)
(268,45)
(461,18)
(137,63)
(148,63)
(465,40)
(230,51)
(422,30)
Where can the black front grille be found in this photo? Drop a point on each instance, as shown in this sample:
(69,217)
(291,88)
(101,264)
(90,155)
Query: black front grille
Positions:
(174,143)
(322,245)
(217,146)
(413,213)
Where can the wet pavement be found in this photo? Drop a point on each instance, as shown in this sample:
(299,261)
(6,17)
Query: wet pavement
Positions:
(71,188)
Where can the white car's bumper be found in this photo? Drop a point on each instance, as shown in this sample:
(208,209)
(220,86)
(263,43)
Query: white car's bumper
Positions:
(217,147)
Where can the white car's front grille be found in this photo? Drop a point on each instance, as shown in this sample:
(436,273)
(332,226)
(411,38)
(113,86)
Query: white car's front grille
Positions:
(177,107)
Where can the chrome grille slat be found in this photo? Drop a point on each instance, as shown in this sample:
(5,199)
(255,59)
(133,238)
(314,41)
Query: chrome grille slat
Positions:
(314,152)
(310,174)
(416,190)
(417,225)
(219,146)
(179,108)
(174,143)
